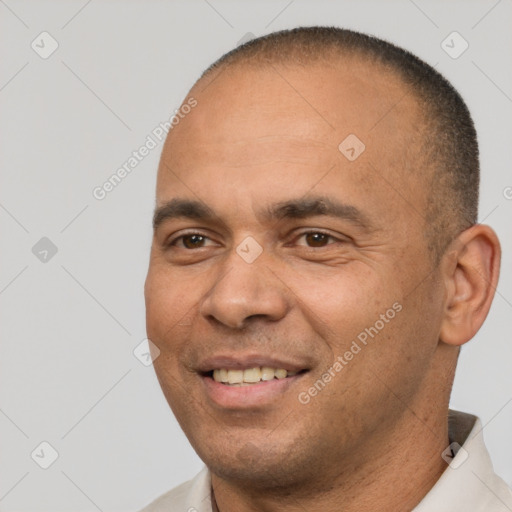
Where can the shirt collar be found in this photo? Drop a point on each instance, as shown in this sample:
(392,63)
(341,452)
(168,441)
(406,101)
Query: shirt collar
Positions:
(469,481)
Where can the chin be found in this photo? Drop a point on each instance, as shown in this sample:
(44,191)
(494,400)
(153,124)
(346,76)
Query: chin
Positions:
(258,465)
(262,475)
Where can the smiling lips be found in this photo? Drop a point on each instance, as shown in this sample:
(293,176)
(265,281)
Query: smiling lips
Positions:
(250,376)
(248,382)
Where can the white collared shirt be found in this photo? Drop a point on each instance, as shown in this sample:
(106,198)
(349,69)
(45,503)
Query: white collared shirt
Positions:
(469,483)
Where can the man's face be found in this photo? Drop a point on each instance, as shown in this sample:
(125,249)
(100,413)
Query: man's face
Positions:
(261,276)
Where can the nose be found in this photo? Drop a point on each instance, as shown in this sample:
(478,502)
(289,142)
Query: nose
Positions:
(245,291)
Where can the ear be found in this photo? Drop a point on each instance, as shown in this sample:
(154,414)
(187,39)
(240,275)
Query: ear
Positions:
(470,269)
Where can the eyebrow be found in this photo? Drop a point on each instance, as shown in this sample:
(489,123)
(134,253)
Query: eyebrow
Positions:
(292,209)
(182,209)
(318,206)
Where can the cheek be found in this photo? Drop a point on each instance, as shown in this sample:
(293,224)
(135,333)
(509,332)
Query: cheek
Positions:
(341,302)
(169,303)
(168,326)
(362,317)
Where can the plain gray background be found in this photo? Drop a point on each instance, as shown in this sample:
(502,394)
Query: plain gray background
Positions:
(68,375)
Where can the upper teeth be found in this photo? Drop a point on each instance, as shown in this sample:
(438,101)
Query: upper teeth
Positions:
(250,376)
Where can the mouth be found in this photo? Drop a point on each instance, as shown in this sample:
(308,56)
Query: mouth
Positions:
(252,382)
(249,376)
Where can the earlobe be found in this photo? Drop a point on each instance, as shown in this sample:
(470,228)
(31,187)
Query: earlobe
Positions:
(470,272)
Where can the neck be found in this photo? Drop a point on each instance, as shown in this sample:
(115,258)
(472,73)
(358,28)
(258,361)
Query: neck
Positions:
(390,473)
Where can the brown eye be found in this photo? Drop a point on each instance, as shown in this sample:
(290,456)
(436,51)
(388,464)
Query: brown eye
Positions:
(317,239)
(193,241)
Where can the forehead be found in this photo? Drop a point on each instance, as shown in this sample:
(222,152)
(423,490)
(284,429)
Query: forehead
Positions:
(277,129)
(314,100)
